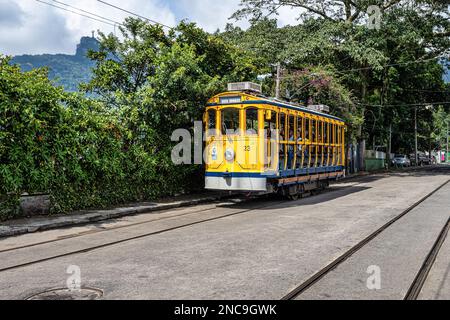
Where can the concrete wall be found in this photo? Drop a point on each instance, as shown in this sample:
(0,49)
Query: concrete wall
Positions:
(374,160)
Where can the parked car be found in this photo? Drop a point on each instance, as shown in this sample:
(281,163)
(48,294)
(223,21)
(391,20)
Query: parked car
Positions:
(423,159)
(401,160)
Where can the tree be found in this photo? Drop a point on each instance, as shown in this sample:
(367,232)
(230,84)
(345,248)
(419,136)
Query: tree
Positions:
(385,69)
(161,81)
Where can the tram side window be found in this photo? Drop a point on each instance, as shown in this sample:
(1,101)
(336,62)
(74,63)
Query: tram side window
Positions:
(230,121)
(307,130)
(212,117)
(336,137)
(251,115)
(291,139)
(299,129)
(282,127)
(320,122)
(339,142)
(320,141)
(313,131)
(291,129)
(270,123)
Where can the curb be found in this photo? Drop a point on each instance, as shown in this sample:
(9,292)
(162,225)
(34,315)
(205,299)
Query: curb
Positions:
(100,215)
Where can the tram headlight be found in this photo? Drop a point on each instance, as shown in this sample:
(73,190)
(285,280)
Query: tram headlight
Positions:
(229,155)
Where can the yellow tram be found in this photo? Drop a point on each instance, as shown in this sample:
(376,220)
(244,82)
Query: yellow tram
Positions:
(262,145)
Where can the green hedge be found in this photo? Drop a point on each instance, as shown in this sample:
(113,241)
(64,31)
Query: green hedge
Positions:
(75,149)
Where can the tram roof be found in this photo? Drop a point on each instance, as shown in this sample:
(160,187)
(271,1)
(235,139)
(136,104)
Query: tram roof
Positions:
(254,99)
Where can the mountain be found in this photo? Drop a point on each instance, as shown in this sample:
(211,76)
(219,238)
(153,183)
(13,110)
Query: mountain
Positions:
(67,70)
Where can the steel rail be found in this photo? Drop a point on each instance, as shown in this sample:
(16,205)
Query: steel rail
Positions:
(112,243)
(334,264)
(422,275)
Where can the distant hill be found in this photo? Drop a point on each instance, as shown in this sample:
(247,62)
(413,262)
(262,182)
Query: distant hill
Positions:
(67,70)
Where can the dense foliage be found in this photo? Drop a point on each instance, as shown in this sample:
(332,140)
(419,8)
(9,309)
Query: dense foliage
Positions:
(387,72)
(117,148)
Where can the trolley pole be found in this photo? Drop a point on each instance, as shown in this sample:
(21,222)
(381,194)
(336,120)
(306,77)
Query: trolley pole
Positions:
(277,90)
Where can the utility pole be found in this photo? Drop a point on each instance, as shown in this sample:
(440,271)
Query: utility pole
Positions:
(390,145)
(277,90)
(447,155)
(415,133)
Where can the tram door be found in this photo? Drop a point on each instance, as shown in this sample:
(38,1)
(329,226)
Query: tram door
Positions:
(247,151)
(214,144)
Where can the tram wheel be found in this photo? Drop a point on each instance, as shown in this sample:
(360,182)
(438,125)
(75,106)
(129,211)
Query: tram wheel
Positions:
(294,197)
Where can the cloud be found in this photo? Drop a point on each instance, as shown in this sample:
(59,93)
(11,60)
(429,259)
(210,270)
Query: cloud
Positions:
(11,14)
(209,14)
(30,27)
(28,32)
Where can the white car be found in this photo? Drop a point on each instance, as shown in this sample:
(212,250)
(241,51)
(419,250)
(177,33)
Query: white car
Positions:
(401,160)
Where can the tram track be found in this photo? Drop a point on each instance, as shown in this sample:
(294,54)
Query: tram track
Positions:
(91,232)
(292,295)
(419,282)
(420,278)
(359,180)
(142,236)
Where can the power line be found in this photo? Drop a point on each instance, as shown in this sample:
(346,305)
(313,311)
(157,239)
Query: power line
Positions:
(392,65)
(82,10)
(369,68)
(134,14)
(406,104)
(80,14)
(427,91)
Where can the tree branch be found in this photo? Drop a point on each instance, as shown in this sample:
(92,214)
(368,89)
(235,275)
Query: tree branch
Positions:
(390,4)
(311,9)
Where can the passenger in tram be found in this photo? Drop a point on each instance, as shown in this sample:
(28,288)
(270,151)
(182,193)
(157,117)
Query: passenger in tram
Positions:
(319,151)
(306,152)
(291,149)
(281,155)
(299,147)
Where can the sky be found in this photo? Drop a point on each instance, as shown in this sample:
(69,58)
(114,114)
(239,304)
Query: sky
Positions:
(31,27)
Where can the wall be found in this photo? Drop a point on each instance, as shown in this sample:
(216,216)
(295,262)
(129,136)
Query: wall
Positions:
(374,160)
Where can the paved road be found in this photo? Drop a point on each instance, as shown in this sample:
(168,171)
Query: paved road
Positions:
(256,250)
(397,254)
(437,286)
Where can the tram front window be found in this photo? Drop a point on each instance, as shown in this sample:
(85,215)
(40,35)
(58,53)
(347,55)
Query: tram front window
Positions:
(251,115)
(230,121)
(211,128)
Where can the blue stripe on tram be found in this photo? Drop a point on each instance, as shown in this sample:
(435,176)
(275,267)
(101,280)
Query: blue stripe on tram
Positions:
(282,174)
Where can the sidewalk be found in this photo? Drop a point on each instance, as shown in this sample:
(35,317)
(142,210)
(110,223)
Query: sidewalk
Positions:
(36,224)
